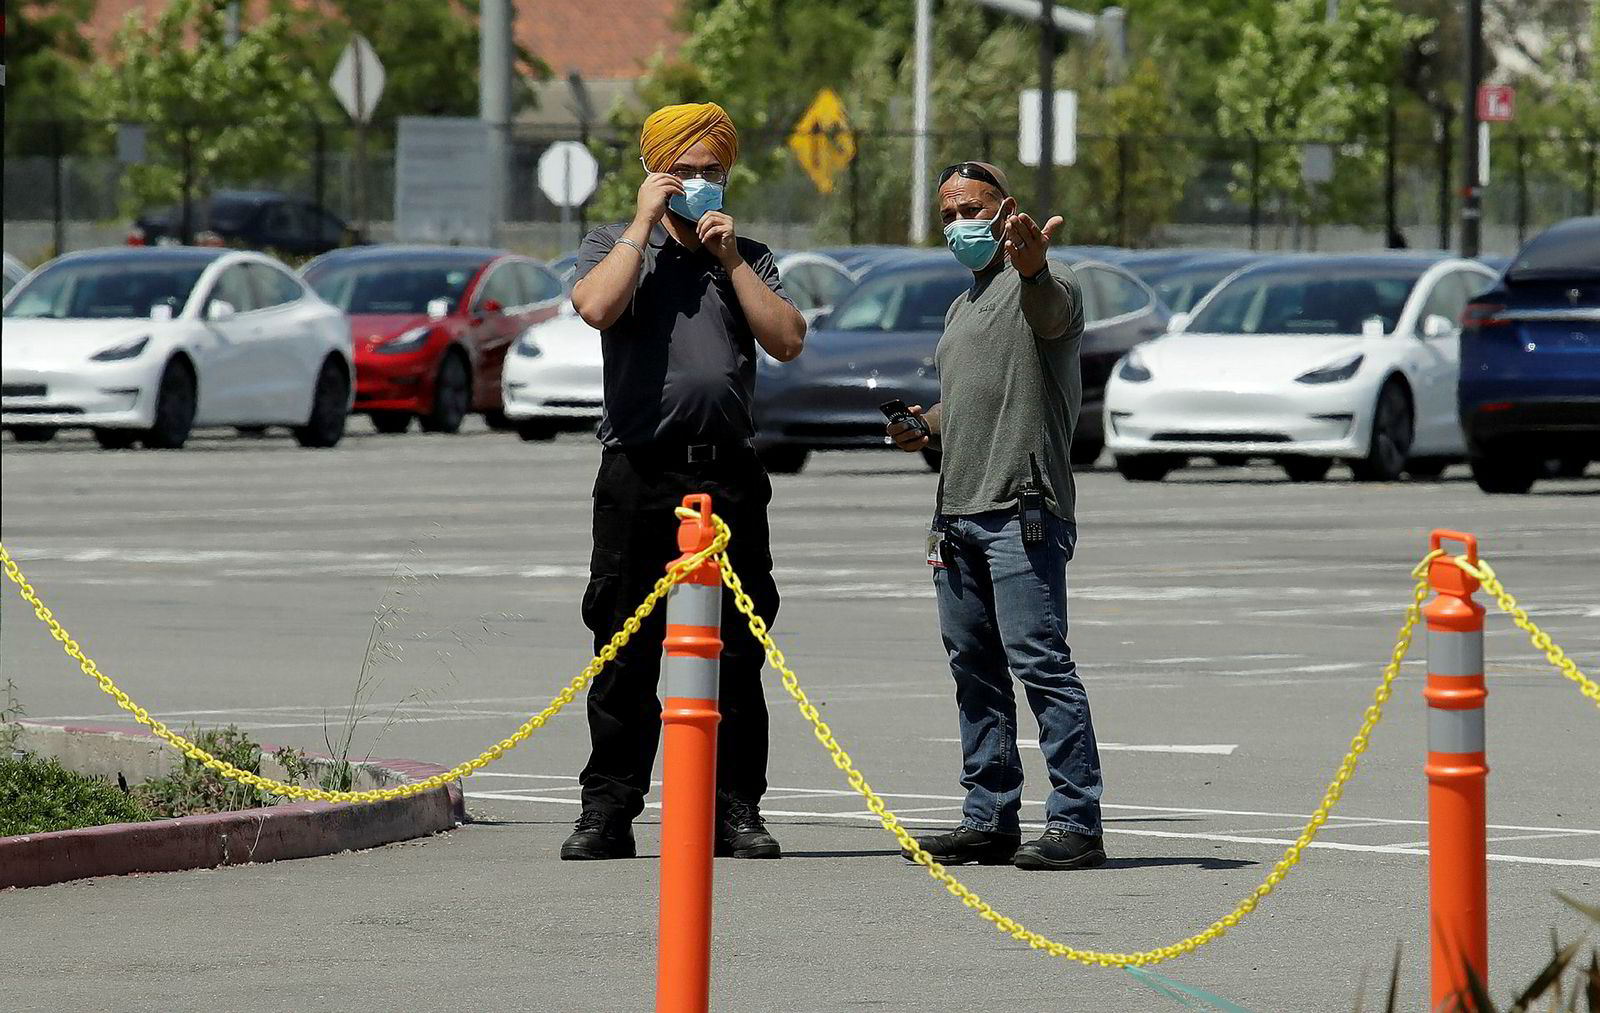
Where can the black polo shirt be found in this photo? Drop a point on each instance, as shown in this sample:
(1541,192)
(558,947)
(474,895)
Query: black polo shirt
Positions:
(680,363)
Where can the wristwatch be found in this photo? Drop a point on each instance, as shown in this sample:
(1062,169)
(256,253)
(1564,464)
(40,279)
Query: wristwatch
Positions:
(1034,279)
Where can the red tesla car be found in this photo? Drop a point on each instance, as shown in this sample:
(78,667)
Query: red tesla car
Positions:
(430,327)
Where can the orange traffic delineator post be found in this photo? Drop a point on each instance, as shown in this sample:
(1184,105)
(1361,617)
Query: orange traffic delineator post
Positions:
(1458,877)
(689,791)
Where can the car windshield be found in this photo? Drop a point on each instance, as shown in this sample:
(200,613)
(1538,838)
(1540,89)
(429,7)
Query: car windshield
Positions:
(903,301)
(1569,251)
(123,287)
(1182,287)
(392,287)
(1316,298)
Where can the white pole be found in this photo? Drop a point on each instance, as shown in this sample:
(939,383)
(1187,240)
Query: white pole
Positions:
(919,142)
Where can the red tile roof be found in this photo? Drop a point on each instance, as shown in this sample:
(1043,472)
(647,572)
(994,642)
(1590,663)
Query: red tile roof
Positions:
(598,38)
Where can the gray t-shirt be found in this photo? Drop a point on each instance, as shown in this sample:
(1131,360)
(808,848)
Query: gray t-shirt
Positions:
(680,363)
(1009,385)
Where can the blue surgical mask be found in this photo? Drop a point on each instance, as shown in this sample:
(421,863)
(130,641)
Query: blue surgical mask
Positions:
(698,197)
(973,241)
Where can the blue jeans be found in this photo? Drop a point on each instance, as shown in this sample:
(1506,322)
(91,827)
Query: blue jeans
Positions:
(1003,612)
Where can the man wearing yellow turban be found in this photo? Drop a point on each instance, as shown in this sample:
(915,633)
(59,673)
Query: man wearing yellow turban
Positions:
(682,303)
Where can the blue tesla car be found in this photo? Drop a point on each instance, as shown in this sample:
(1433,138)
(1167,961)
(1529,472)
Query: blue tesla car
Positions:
(1530,362)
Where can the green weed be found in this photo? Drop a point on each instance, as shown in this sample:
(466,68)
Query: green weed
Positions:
(39,795)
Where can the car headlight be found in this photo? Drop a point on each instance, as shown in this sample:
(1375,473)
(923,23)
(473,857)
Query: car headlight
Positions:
(126,350)
(1334,372)
(529,348)
(1133,369)
(408,341)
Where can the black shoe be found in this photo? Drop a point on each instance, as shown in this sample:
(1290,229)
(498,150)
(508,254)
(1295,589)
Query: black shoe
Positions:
(1062,849)
(966,846)
(742,833)
(597,837)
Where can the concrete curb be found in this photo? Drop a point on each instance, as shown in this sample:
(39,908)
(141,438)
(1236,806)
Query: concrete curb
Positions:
(292,830)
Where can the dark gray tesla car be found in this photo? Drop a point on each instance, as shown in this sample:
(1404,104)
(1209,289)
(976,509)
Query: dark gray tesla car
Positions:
(878,344)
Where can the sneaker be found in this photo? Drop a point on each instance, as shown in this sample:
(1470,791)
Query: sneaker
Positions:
(597,836)
(1062,849)
(742,833)
(966,846)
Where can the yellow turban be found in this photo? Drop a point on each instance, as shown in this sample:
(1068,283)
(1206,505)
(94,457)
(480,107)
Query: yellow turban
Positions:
(672,130)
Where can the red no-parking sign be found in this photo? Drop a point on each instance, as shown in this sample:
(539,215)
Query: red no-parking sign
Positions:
(1495,103)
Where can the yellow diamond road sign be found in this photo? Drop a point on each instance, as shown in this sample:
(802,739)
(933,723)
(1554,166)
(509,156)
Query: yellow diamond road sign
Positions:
(822,141)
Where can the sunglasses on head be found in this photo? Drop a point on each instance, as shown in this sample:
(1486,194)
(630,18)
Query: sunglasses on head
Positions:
(970,170)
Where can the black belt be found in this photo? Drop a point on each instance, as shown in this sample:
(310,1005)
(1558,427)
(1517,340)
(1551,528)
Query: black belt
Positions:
(665,454)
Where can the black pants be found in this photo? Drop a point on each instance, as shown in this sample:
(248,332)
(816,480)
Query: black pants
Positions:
(635,537)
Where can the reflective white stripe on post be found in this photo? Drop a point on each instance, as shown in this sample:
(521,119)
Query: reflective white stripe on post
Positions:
(694,645)
(1455,731)
(1451,653)
(695,605)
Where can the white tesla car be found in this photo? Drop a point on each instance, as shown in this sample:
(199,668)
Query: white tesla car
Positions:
(144,345)
(1305,360)
(553,378)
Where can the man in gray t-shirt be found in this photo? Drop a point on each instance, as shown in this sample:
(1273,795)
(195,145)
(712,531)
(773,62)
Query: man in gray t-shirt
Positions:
(1004,527)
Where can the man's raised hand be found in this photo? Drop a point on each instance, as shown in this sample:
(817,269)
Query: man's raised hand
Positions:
(654,192)
(1027,244)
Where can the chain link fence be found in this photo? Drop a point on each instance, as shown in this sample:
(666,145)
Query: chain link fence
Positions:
(71,185)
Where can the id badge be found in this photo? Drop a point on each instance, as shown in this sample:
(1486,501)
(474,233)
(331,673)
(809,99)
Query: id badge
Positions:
(936,549)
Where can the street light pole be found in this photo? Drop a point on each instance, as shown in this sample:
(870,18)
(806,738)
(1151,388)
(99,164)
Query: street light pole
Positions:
(1471,187)
(1047,107)
(920,114)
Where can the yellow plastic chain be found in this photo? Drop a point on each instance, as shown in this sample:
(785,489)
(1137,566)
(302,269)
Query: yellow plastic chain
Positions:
(494,752)
(1015,929)
(1541,640)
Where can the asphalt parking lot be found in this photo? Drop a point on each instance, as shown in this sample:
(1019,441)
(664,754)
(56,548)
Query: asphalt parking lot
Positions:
(1230,627)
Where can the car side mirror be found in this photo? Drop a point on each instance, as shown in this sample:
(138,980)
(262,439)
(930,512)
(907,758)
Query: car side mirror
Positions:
(1437,326)
(1177,322)
(438,309)
(491,306)
(219,309)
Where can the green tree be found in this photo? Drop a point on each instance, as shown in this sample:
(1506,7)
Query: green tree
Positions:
(1305,78)
(763,61)
(429,50)
(46,59)
(214,113)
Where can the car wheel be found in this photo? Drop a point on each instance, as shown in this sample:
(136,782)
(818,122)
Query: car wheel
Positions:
(1146,467)
(1306,469)
(34,434)
(536,430)
(175,407)
(496,419)
(254,432)
(452,397)
(390,422)
(1511,473)
(330,407)
(1391,437)
(934,459)
(784,460)
(116,439)
(1427,469)
(1085,452)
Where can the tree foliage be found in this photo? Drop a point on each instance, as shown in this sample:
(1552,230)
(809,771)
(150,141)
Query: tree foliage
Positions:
(429,50)
(1304,78)
(46,59)
(212,112)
